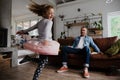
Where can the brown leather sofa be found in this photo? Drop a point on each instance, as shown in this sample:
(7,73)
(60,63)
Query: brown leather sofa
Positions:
(96,60)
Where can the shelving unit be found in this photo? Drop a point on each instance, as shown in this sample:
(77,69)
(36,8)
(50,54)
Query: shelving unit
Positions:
(93,22)
(95,33)
(76,24)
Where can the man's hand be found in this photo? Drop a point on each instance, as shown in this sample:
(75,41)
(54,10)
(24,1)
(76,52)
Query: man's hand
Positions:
(94,53)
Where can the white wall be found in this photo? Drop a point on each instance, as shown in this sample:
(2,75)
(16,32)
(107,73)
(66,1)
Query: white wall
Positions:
(93,6)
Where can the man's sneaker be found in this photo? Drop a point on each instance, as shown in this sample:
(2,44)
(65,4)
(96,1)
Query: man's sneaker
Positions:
(86,74)
(62,69)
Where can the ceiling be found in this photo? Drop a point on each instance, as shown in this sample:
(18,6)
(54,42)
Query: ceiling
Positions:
(19,7)
(63,1)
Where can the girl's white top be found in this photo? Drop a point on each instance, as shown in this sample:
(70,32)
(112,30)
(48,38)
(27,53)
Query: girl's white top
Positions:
(44,27)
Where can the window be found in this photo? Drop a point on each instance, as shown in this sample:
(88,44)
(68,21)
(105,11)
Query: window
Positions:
(26,24)
(114,23)
(34,32)
(19,26)
(115,26)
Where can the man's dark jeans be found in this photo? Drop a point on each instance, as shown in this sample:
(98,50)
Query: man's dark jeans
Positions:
(68,50)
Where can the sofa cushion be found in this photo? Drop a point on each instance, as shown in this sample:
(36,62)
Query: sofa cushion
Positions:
(66,42)
(105,43)
(114,49)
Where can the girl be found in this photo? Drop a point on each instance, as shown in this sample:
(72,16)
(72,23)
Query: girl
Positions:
(44,26)
(44,45)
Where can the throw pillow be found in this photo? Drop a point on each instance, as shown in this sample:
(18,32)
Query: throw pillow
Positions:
(114,49)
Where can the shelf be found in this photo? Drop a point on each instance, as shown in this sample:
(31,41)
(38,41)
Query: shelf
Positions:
(76,24)
(93,22)
(95,34)
(94,29)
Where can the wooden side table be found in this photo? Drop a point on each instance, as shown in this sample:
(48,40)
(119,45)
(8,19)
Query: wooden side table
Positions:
(14,54)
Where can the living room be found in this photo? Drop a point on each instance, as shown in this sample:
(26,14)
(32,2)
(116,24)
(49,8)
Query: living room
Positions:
(67,13)
(86,9)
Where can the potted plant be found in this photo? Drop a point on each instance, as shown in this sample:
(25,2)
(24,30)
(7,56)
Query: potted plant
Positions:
(98,27)
(62,35)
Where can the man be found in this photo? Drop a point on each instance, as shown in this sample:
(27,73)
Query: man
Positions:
(80,46)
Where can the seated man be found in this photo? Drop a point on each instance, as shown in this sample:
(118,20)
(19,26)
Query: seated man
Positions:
(80,46)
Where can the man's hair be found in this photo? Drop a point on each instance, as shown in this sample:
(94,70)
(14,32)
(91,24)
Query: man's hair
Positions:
(38,9)
(84,27)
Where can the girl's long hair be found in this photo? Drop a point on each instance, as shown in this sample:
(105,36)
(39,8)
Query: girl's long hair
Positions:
(38,9)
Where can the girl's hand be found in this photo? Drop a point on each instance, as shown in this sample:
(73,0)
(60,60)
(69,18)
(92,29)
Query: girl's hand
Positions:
(20,32)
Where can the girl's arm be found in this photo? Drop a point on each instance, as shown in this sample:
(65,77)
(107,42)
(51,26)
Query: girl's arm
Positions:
(27,30)
(31,28)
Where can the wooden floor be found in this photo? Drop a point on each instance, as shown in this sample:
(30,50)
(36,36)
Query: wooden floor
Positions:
(25,72)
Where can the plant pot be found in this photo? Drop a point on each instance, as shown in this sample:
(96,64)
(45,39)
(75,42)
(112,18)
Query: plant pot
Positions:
(98,31)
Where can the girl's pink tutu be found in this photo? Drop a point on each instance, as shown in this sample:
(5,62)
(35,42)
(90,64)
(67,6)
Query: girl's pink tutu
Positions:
(39,48)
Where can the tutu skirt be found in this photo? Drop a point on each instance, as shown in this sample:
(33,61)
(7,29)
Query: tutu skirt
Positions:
(39,48)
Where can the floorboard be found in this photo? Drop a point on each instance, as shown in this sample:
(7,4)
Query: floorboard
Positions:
(25,72)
